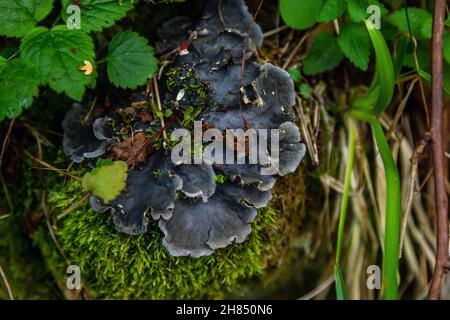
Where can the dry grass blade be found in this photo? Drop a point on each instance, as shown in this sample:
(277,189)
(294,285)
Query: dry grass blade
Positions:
(7,285)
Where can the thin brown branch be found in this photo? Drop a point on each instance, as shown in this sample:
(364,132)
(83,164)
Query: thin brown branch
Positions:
(438,151)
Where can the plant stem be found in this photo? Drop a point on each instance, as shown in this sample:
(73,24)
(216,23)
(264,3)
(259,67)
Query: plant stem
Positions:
(340,285)
(438,151)
(392,226)
(347,182)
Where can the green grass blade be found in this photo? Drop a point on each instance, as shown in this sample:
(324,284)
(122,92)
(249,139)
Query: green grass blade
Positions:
(341,293)
(381,90)
(427,77)
(392,227)
(386,80)
(340,284)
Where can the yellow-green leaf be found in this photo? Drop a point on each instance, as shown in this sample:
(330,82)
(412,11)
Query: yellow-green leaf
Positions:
(107,181)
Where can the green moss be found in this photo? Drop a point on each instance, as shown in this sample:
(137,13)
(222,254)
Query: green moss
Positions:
(115,265)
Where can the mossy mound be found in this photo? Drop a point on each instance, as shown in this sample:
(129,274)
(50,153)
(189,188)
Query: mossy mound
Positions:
(119,266)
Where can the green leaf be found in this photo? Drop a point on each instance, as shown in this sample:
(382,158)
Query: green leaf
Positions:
(99,14)
(423,56)
(305,90)
(103,162)
(357,9)
(300,14)
(340,283)
(130,60)
(168,113)
(332,9)
(417,19)
(19,84)
(59,53)
(426,30)
(354,42)
(106,181)
(17,17)
(382,87)
(324,54)
(447,46)
(295,74)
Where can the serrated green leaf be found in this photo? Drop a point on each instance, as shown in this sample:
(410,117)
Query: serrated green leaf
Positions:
(18,85)
(331,9)
(17,17)
(423,56)
(357,9)
(106,181)
(426,30)
(417,18)
(98,14)
(354,42)
(300,14)
(59,53)
(130,60)
(447,46)
(324,54)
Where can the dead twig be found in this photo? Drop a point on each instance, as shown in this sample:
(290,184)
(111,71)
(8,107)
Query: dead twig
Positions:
(437,103)
(161,116)
(5,142)
(73,207)
(275,31)
(4,147)
(316,291)
(50,228)
(295,50)
(50,167)
(418,152)
(400,109)
(5,281)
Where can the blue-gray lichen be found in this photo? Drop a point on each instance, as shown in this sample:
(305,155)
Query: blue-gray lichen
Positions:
(216,80)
